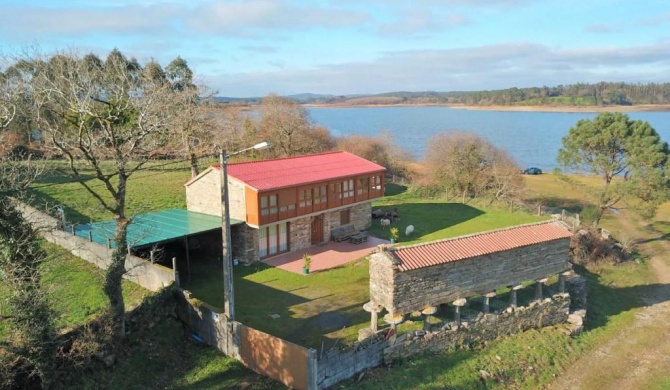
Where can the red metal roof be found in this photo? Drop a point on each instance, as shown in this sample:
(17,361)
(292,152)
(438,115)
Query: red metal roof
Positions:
(300,170)
(464,247)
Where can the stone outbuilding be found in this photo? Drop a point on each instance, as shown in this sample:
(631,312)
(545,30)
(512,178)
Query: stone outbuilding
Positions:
(291,203)
(411,278)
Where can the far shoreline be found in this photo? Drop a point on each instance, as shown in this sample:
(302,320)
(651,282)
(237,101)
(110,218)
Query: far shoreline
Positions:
(593,109)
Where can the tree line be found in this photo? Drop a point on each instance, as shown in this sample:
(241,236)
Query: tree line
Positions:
(579,94)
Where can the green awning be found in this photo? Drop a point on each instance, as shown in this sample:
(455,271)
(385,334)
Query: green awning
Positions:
(154,228)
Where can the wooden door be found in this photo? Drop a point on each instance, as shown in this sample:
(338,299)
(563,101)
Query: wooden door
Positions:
(317,230)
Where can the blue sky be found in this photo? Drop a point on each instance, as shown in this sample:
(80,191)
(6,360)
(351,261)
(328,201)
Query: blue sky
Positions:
(254,47)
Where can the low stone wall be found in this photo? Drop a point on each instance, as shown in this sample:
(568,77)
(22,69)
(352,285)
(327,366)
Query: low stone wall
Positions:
(336,366)
(148,275)
(485,327)
(206,321)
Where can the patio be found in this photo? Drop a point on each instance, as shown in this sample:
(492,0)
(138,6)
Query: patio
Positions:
(325,256)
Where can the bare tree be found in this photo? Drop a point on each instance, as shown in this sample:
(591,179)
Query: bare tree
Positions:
(30,347)
(380,149)
(456,160)
(106,116)
(286,125)
(505,182)
(470,165)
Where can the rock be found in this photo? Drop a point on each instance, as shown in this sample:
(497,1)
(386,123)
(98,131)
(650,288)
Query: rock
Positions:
(484,374)
(575,319)
(109,360)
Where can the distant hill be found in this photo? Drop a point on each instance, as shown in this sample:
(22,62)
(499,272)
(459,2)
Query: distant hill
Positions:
(600,94)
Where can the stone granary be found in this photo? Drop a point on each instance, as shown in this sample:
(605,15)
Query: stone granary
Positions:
(291,203)
(418,277)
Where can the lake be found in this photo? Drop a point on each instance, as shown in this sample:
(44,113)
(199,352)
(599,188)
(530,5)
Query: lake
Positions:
(532,138)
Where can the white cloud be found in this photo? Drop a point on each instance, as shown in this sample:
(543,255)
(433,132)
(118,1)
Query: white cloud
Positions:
(255,16)
(120,20)
(602,29)
(421,20)
(484,67)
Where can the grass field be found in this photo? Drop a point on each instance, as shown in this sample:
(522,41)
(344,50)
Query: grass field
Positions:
(525,361)
(75,289)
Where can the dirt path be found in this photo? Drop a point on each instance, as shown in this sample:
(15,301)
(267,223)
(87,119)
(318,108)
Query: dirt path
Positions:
(642,350)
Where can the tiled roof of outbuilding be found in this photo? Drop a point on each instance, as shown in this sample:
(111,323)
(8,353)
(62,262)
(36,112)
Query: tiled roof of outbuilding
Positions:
(464,247)
(280,173)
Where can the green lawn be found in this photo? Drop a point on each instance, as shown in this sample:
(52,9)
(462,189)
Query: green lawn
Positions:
(158,187)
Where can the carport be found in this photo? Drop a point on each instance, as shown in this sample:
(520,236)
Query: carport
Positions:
(150,229)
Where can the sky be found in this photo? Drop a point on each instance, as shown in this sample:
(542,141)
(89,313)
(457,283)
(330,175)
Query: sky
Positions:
(249,48)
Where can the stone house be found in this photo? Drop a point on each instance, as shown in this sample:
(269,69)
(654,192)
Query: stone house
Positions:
(410,278)
(292,203)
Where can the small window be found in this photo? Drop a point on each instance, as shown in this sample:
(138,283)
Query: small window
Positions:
(345,216)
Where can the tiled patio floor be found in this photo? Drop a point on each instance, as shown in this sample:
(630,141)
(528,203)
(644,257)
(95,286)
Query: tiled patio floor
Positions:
(325,256)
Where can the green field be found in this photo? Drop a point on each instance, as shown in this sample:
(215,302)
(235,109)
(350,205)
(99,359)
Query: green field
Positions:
(527,360)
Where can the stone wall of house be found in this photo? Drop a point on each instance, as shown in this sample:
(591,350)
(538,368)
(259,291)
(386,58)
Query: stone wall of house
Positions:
(335,366)
(204,195)
(361,215)
(404,292)
(236,200)
(300,232)
(245,243)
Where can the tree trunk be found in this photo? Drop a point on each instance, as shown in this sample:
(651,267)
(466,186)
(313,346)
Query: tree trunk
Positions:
(114,276)
(601,211)
(117,265)
(194,165)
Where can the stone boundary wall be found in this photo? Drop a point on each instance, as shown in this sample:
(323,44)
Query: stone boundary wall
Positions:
(486,327)
(374,351)
(404,292)
(148,275)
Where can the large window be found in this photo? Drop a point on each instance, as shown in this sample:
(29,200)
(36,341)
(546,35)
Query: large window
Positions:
(273,239)
(268,205)
(376,186)
(376,183)
(336,190)
(320,197)
(348,188)
(305,201)
(363,185)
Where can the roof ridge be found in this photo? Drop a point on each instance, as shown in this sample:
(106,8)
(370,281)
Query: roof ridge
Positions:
(483,233)
(217,166)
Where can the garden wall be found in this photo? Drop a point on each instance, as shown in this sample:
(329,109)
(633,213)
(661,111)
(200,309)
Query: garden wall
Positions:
(404,292)
(336,366)
(148,275)
(288,363)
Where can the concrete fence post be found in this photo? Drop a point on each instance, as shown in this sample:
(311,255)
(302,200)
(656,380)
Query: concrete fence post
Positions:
(174,269)
(312,370)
